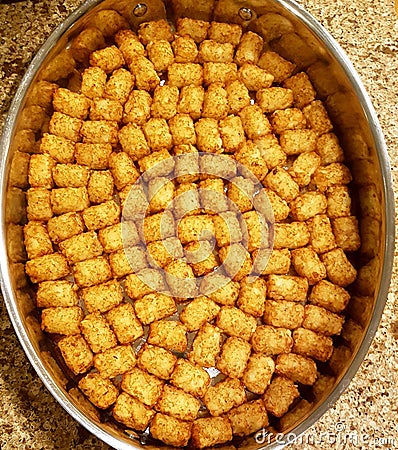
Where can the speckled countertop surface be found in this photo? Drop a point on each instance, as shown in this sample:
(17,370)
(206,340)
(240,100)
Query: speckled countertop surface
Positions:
(368,31)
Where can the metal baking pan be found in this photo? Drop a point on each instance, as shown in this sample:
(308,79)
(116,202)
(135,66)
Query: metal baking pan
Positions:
(298,37)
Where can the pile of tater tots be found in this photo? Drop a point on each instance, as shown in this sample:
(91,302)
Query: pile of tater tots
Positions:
(212,317)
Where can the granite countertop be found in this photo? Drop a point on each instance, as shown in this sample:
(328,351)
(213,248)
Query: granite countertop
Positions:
(367,30)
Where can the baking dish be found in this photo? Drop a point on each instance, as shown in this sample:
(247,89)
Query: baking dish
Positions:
(295,35)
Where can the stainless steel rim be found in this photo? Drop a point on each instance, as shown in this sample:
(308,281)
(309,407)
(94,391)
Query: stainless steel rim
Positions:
(371,116)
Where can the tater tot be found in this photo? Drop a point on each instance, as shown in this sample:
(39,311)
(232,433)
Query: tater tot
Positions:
(303,90)
(101,392)
(297,367)
(168,334)
(119,85)
(138,107)
(282,183)
(108,21)
(232,133)
(311,344)
(280,395)
(346,232)
(287,287)
(276,262)
(106,109)
(211,431)
(235,322)
(132,412)
(108,59)
(317,117)
(164,103)
(249,48)
(154,31)
(170,430)
(287,119)
(65,126)
(225,32)
(182,129)
(227,228)
(212,196)
(238,96)
(304,167)
(233,358)
(308,205)
(328,148)
(224,395)
(59,148)
(100,132)
(62,320)
(321,234)
(70,103)
(129,45)
(322,321)
(100,186)
(215,103)
(199,311)
(92,271)
(157,133)
(254,122)
(103,297)
(291,235)
(185,49)
(145,74)
(214,72)
(206,346)
(258,373)
(270,340)
(95,156)
(177,403)
(141,385)
(252,295)
(98,333)
(255,78)
(307,264)
(154,306)
(191,378)
(212,51)
(64,226)
(331,175)
(93,82)
(220,288)
(124,323)
(56,293)
(123,169)
(76,353)
(273,98)
(265,199)
(89,40)
(185,74)
(115,361)
(161,55)
(283,314)
(252,163)
(81,247)
(157,361)
(248,418)
(191,101)
(40,171)
(339,269)
(196,29)
(236,261)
